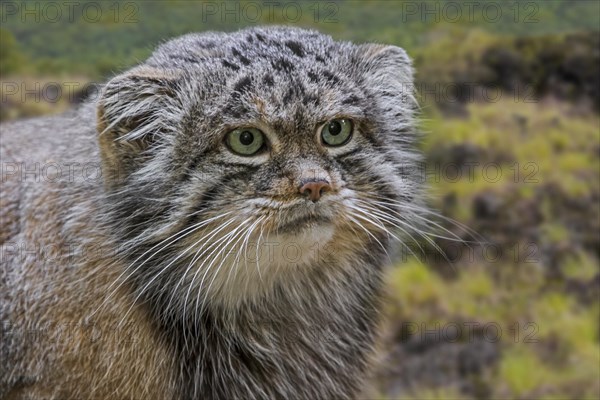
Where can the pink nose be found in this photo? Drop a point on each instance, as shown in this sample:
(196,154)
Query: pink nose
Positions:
(314,189)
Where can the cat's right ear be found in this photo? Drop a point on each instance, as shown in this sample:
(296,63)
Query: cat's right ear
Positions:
(134,110)
(388,73)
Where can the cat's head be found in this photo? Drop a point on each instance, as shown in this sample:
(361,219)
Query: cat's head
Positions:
(235,160)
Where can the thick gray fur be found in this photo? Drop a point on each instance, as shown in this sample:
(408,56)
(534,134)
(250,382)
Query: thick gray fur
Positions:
(303,330)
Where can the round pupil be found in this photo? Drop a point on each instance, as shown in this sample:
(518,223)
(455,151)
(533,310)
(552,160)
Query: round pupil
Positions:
(335,128)
(246,138)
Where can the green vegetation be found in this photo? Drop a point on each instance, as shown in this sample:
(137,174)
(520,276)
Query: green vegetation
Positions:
(523,171)
(83,41)
(11,58)
(543,291)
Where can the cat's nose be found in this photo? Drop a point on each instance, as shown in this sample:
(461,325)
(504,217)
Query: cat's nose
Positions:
(314,189)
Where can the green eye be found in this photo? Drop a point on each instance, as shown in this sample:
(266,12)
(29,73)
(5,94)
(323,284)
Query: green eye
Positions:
(245,141)
(336,132)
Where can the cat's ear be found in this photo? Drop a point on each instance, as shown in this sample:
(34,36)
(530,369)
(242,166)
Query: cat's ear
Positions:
(387,73)
(133,111)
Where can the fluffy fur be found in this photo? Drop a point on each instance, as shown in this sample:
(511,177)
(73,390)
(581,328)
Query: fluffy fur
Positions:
(188,271)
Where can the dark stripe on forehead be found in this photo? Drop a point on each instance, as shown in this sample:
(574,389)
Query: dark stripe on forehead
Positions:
(351,100)
(296,48)
(240,56)
(331,77)
(283,65)
(244,84)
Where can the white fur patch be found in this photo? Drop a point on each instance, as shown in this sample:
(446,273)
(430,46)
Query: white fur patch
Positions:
(248,268)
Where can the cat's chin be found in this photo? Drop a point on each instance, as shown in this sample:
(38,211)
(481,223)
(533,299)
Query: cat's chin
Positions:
(301,244)
(268,261)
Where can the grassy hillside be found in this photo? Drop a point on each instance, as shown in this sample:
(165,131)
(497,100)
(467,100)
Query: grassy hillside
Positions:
(514,315)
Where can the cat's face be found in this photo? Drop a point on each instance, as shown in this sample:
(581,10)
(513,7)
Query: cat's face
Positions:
(247,156)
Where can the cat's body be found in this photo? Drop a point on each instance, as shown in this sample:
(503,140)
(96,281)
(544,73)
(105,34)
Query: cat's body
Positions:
(139,283)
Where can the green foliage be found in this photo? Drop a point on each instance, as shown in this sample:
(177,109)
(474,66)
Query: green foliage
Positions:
(522,371)
(581,266)
(11,58)
(558,355)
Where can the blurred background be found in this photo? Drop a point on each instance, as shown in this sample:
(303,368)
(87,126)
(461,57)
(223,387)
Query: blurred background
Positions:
(503,301)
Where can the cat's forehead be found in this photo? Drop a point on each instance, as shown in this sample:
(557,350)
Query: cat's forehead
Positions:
(276,75)
(261,57)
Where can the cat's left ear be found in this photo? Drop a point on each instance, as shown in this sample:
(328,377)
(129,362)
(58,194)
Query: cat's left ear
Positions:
(388,74)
